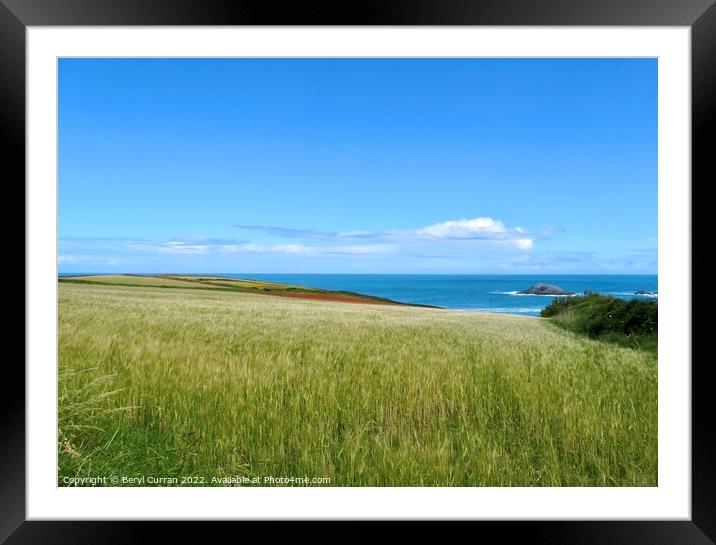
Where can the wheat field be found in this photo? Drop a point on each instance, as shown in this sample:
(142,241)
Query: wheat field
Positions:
(197,387)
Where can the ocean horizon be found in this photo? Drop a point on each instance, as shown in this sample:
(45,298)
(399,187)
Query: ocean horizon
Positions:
(468,292)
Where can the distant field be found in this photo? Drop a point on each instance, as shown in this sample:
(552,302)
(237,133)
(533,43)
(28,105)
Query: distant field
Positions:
(228,284)
(130,280)
(233,282)
(174,381)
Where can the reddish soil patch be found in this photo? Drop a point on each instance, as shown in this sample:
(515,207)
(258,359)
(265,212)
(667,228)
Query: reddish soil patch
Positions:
(330,297)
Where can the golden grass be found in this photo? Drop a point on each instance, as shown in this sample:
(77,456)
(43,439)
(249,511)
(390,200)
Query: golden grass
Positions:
(218,383)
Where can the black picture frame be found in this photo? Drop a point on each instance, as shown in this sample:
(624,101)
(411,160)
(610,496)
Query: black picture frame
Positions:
(699,15)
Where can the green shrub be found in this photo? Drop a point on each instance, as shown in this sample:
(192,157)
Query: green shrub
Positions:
(629,323)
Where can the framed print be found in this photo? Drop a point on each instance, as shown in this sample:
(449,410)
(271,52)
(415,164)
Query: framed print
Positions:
(403,266)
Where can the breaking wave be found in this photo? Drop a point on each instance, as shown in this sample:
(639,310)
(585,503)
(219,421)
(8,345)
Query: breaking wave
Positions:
(518,294)
(622,293)
(503,310)
(632,294)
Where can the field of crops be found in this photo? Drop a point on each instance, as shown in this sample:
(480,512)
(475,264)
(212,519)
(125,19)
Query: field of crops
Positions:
(174,382)
(222,283)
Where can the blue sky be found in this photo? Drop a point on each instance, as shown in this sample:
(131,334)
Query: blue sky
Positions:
(358,165)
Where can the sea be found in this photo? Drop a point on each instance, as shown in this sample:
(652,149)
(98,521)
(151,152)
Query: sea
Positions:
(475,293)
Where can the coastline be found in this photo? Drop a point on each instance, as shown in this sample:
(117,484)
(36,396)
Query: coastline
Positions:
(243,285)
(483,293)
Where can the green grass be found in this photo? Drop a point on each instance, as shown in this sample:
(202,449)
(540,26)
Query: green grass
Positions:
(174,382)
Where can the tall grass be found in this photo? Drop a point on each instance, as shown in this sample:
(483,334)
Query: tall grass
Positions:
(175,383)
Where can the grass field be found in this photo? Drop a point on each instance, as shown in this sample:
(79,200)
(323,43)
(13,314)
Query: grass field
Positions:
(210,383)
(226,284)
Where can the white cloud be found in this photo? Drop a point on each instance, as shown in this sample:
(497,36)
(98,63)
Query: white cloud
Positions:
(524,243)
(170,247)
(179,247)
(250,247)
(65,259)
(483,229)
(290,249)
(357,234)
(464,229)
(458,239)
(234,248)
(361,249)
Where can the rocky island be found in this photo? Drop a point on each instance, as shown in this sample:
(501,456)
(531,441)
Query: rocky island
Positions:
(545,289)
